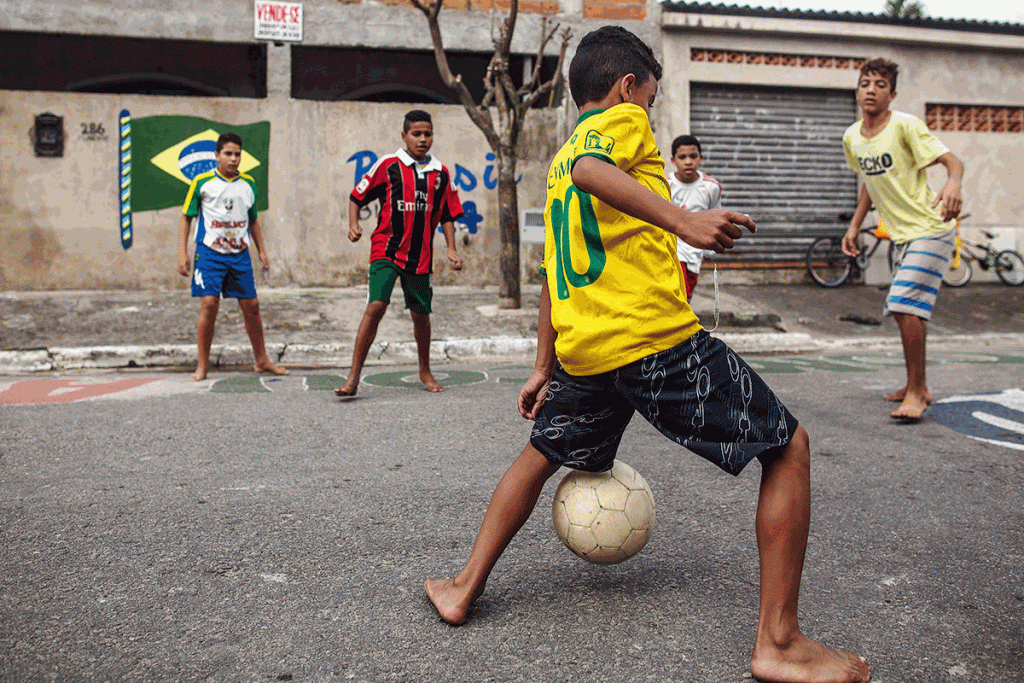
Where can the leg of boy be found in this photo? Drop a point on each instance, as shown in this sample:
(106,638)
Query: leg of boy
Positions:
(914,398)
(511,505)
(209,305)
(254,328)
(421,330)
(374,313)
(781,651)
(383,275)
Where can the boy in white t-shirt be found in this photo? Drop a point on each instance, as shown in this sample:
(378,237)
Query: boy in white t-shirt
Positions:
(693,190)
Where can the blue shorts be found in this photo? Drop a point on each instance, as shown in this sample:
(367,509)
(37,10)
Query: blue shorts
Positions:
(700,394)
(227,275)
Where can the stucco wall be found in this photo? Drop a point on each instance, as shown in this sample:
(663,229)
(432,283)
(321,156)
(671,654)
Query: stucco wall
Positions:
(59,216)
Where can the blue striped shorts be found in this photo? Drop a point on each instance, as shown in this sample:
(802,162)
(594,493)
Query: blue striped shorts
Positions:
(920,265)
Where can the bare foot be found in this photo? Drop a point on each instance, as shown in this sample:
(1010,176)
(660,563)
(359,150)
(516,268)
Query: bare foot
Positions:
(349,388)
(900,394)
(430,382)
(271,368)
(200,373)
(807,661)
(452,602)
(912,409)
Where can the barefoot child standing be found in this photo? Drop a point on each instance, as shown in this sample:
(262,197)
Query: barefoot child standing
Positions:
(225,202)
(620,337)
(416,194)
(891,151)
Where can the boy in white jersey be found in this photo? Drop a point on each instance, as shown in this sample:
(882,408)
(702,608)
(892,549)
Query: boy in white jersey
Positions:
(693,190)
(891,151)
(225,202)
(620,338)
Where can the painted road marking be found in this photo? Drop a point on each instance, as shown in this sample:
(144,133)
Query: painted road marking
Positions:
(992,418)
(35,391)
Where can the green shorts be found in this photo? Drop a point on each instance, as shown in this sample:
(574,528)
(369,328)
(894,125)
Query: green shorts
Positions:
(417,290)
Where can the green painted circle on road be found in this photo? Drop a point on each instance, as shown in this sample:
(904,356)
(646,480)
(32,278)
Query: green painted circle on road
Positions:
(412,379)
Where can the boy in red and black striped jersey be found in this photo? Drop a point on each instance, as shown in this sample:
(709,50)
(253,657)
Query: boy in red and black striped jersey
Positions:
(416,194)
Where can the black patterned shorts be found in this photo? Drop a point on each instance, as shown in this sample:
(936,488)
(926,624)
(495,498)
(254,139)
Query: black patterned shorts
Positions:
(700,394)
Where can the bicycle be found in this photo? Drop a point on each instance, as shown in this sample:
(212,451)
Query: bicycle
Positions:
(830,267)
(1008,264)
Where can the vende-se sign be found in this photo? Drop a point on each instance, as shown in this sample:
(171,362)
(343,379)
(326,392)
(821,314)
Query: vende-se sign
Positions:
(277,20)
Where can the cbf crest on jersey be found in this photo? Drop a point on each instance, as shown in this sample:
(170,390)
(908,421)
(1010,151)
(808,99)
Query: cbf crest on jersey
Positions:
(169,151)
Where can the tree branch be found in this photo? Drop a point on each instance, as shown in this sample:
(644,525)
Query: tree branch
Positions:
(479,115)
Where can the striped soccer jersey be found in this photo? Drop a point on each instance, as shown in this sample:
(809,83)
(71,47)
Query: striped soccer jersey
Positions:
(415,197)
(225,209)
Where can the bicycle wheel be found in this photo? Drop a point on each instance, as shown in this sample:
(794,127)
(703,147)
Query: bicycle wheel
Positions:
(1010,267)
(826,262)
(959,276)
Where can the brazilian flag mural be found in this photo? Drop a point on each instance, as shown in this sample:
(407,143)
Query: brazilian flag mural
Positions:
(169,151)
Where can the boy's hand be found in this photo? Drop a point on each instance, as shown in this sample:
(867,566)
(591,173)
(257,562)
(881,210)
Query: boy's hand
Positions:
(951,201)
(265,260)
(533,394)
(355,232)
(717,229)
(850,247)
(184,267)
(455,259)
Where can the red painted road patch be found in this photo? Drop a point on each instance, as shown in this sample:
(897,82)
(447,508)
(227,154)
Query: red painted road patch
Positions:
(32,391)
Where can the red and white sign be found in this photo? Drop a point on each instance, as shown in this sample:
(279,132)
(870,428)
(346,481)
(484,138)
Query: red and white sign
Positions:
(277,20)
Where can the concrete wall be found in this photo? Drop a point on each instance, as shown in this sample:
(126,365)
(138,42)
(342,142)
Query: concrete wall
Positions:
(936,66)
(59,225)
(59,216)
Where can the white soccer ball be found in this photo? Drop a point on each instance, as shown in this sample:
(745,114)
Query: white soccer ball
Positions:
(604,517)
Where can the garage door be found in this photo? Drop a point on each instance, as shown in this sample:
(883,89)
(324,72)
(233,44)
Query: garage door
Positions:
(778,153)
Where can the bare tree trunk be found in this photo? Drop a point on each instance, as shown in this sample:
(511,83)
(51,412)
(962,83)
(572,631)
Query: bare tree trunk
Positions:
(508,226)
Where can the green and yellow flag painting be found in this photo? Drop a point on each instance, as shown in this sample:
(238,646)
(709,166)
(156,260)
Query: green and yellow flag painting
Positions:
(169,151)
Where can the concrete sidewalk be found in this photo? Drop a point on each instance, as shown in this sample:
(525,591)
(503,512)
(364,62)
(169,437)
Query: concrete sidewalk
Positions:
(315,327)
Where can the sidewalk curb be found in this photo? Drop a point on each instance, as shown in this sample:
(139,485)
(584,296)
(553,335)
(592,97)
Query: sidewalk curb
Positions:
(57,359)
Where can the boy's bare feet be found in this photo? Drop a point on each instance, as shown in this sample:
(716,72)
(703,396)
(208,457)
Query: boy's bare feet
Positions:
(429,381)
(271,368)
(452,602)
(349,388)
(912,409)
(200,373)
(900,394)
(807,661)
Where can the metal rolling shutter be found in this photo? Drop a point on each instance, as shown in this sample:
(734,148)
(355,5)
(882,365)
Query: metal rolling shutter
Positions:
(778,153)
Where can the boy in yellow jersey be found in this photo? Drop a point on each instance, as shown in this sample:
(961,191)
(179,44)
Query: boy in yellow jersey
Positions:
(891,151)
(616,335)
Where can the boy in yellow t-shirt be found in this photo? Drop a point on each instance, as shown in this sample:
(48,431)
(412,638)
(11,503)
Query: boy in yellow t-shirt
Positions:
(891,151)
(616,336)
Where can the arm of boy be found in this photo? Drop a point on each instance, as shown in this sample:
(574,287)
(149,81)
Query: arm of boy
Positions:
(535,391)
(184,225)
(950,195)
(355,231)
(850,237)
(257,239)
(716,230)
(449,238)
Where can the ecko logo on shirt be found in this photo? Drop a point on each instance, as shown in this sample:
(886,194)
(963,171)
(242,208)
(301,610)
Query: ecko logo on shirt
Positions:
(875,165)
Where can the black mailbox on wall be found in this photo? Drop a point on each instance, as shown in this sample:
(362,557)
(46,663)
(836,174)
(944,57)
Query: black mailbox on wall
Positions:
(48,135)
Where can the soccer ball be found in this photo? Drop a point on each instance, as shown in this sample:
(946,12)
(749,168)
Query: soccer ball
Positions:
(604,517)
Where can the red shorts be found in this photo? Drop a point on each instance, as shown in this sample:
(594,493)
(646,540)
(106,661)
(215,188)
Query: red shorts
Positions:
(690,280)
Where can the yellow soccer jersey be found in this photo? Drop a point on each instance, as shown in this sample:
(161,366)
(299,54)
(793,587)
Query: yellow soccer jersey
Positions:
(893,165)
(617,291)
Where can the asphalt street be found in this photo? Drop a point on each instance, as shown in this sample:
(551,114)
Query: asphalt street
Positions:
(246,529)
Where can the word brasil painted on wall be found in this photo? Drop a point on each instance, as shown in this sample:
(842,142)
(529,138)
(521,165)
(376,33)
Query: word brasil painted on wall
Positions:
(463,179)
